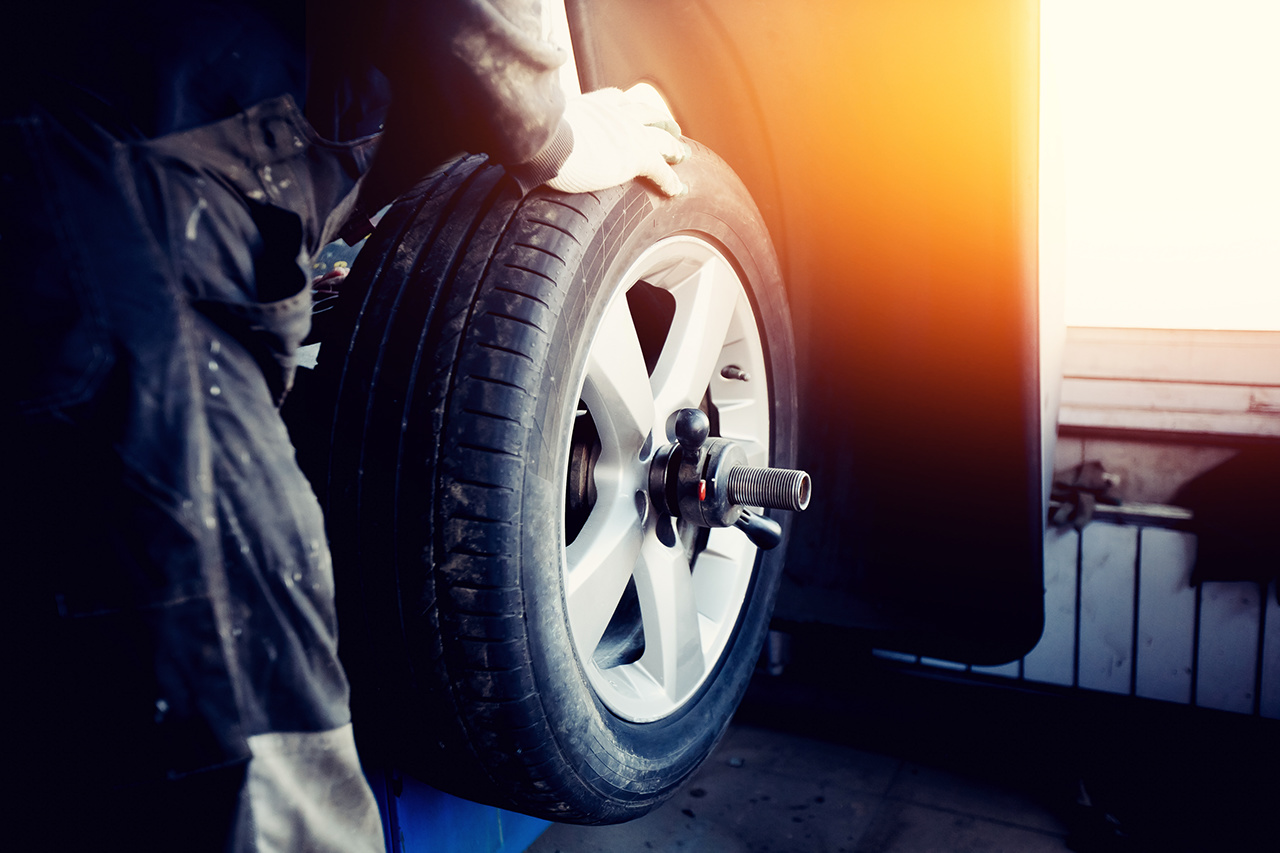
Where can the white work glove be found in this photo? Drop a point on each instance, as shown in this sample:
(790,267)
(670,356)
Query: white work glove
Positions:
(618,136)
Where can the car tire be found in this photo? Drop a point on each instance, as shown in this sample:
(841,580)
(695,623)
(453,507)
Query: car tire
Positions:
(520,625)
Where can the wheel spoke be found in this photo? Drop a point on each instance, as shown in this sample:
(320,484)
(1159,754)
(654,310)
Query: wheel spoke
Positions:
(672,640)
(704,310)
(722,576)
(617,389)
(600,561)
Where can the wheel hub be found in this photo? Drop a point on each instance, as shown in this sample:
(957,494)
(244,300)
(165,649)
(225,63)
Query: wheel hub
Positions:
(707,481)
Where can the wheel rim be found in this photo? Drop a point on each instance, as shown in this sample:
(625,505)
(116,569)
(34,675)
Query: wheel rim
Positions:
(652,604)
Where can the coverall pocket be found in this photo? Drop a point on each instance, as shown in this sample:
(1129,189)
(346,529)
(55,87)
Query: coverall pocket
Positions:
(271,332)
(240,260)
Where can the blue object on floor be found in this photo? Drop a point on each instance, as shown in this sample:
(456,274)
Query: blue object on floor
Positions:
(417,818)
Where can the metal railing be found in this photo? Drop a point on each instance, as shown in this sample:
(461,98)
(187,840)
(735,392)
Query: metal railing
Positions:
(1121,617)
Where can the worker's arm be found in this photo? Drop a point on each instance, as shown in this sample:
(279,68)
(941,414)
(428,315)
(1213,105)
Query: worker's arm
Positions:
(476,75)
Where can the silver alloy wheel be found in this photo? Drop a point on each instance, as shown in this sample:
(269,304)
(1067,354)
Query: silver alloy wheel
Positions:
(672,596)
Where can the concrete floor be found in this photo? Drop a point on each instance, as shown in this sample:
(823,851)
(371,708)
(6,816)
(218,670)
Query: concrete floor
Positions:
(844,754)
(765,791)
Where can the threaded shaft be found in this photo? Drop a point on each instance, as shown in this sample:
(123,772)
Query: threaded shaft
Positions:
(772,488)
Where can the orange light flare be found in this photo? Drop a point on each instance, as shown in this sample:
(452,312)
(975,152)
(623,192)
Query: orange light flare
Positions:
(913,128)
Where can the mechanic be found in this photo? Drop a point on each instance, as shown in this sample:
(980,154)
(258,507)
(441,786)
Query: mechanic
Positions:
(169,601)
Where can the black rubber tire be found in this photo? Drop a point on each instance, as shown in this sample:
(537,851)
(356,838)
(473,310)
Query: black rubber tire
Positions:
(460,329)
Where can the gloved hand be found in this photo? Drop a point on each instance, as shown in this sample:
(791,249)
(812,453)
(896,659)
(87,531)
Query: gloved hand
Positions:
(618,136)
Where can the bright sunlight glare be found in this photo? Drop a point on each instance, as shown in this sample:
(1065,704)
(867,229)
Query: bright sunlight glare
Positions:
(1169,124)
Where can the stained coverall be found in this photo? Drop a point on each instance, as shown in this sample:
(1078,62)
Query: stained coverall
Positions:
(169,629)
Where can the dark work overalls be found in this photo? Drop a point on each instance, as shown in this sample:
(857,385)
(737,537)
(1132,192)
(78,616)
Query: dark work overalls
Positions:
(169,626)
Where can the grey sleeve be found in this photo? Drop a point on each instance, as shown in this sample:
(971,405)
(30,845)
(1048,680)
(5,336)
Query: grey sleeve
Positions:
(470,75)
